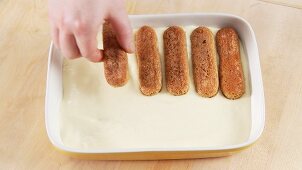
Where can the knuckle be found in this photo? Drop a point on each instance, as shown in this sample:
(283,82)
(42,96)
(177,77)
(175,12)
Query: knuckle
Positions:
(73,25)
(80,26)
(92,56)
(64,24)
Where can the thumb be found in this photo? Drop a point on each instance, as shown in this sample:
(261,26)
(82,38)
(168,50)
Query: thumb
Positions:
(121,25)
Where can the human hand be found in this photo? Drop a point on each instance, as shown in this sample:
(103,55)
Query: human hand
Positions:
(75,25)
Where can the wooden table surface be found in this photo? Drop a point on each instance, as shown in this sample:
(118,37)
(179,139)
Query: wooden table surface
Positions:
(24,41)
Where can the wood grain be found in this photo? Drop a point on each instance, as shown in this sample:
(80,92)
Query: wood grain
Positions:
(289,3)
(24,41)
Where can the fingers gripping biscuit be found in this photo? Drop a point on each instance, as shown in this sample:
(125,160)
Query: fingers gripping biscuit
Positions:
(115,58)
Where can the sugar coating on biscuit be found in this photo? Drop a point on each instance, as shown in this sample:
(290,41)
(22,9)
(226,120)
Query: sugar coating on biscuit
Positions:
(204,62)
(148,60)
(230,68)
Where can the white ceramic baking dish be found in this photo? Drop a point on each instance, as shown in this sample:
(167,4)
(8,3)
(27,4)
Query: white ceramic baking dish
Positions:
(54,93)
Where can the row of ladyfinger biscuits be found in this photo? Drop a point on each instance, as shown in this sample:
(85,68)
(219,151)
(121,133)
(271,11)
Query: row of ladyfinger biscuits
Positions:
(204,63)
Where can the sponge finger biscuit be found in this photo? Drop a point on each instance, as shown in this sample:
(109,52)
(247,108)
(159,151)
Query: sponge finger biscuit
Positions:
(148,60)
(176,64)
(230,68)
(204,62)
